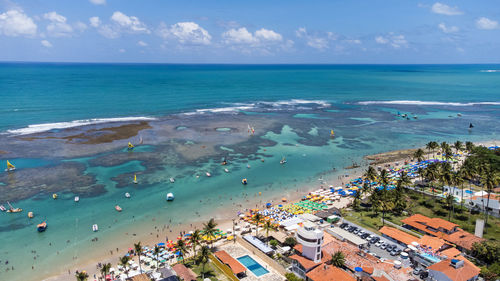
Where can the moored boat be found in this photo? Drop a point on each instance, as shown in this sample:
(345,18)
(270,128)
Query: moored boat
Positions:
(248,166)
(12,209)
(30,215)
(226,170)
(130,146)
(135,178)
(41,227)
(208,174)
(77,199)
(54,196)
(172,180)
(170,196)
(118,208)
(95,228)
(127,194)
(282,161)
(244,181)
(2,208)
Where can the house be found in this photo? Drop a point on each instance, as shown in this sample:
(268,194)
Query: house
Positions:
(480,202)
(327,273)
(448,231)
(139,277)
(458,269)
(302,265)
(236,267)
(398,236)
(167,274)
(311,240)
(184,273)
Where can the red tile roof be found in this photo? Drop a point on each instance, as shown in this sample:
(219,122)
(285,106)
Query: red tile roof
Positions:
(464,273)
(398,235)
(430,241)
(184,273)
(328,273)
(235,265)
(424,221)
(380,278)
(463,239)
(305,262)
(450,253)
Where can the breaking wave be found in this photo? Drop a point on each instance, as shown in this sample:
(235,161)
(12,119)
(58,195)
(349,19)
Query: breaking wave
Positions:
(416,102)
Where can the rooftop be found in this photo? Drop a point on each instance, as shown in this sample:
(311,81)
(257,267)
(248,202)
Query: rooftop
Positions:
(450,253)
(464,273)
(328,272)
(235,265)
(184,273)
(432,222)
(398,235)
(434,243)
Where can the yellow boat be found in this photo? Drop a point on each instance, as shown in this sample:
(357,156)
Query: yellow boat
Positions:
(10,167)
(30,215)
(332,134)
(130,146)
(54,196)
(135,178)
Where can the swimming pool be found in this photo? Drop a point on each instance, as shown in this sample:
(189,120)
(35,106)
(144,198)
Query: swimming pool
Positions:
(254,266)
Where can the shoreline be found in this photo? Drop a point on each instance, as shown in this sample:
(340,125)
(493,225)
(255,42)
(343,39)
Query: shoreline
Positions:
(224,214)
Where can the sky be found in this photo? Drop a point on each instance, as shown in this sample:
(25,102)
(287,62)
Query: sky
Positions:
(236,31)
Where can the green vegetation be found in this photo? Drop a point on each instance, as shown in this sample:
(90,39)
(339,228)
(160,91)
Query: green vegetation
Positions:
(338,259)
(81,276)
(488,252)
(290,241)
(273,243)
(292,277)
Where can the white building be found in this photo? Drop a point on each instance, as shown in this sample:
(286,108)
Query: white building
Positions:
(311,240)
(480,199)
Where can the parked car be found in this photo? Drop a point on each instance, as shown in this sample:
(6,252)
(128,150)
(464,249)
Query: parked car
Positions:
(343,225)
(374,240)
(383,246)
(352,228)
(379,243)
(365,235)
(356,231)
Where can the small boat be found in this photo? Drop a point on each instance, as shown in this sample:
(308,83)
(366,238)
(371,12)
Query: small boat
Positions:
(226,170)
(127,194)
(140,140)
(172,180)
(244,181)
(208,174)
(10,167)
(415,117)
(135,178)
(224,162)
(471,126)
(77,198)
(248,166)
(332,134)
(30,215)
(95,228)
(118,208)
(262,160)
(130,146)
(282,161)
(12,209)
(54,196)
(459,114)
(41,227)
(170,197)
(2,208)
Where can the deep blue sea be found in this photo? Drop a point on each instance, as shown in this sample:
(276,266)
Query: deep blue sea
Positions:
(199,114)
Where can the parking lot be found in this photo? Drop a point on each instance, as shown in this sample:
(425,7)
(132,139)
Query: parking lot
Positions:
(378,245)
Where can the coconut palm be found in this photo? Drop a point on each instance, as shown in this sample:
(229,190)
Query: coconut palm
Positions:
(338,259)
(443,146)
(209,230)
(459,179)
(431,174)
(181,248)
(156,251)
(371,174)
(420,172)
(195,239)
(257,218)
(469,146)
(419,155)
(384,177)
(458,145)
(124,262)
(138,251)
(203,259)
(449,203)
(105,270)
(268,226)
(81,276)
(489,179)
(431,146)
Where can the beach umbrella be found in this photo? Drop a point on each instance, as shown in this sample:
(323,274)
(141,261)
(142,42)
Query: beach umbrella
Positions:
(161,244)
(358,269)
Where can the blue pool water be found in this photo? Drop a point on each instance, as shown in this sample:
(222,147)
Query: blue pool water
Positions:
(254,266)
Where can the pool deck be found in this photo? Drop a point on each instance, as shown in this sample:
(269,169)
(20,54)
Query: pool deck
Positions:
(236,251)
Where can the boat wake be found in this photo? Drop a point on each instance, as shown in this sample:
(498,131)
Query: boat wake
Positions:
(416,102)
(489,70)
(38,128)
(294,104)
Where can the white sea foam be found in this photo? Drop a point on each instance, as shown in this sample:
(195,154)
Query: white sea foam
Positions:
(38,128)
(489,70)
(416,102)
(263,105)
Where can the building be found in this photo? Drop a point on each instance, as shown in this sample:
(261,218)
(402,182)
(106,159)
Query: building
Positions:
(479,202)
(397,236)
(236,267)
(184,273)
(458,269)
(448,231)
(327,273)
(311,240)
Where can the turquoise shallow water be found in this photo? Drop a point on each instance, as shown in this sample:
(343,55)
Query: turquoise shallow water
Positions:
(304,102)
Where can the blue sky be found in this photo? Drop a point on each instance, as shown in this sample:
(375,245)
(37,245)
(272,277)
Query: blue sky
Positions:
(207,31)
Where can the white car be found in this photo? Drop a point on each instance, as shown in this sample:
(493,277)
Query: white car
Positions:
(379,243)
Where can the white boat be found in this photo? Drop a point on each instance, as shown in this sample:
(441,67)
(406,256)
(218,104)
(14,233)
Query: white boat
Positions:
(172,180)
(2,208)
(77,198)
(248,166)
(170,197)
(208,174)
(226,170)
(127,194)
(95,228)
(282,161)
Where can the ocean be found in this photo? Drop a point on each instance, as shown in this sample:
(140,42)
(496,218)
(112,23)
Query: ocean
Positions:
(60,125)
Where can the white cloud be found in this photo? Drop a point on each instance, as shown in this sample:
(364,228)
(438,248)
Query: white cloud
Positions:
(448,29)
(98,2)
(486,23)
(443,9)
(267,35)
(122,51)
(239,36)
(95,21)
(316,41)
(109,31)
(129,23)
(57,26)
(80,26)
(396,41)
(353,41)
(46,44)
(16,23)
(142,43)
(185,33)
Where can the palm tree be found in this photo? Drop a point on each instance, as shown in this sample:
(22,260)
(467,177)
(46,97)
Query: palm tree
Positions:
(458,145)
(469,146)
(268,226)
(203,259)
(256,219)
(419,155)
(156,251)
(431,174)
(449,203)
(443,146)
(195,239)
(371,174)
(81,276)
(124,262)
(431,146)
(210,230)
(420,172)
(105,270)
(181,247)
(138,250)
(489,179)
(338,259)
(459,180)
(384,177)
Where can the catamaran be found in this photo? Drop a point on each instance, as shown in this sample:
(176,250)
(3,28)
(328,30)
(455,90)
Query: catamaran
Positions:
(13,210)
(41,227)
(10,167)
(130,146)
